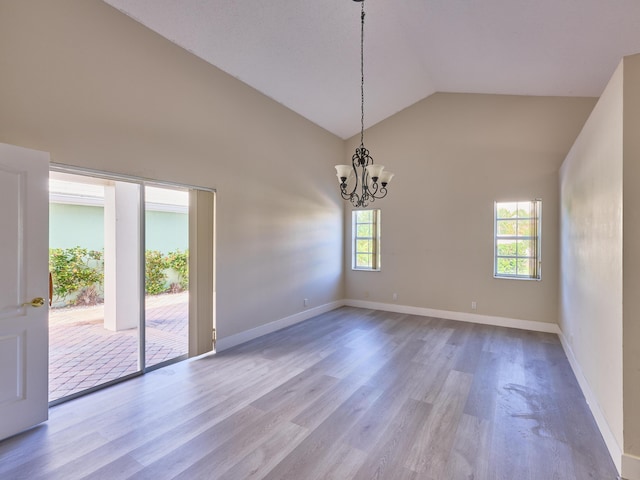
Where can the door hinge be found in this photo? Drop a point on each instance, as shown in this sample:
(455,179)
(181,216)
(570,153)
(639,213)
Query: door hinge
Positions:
(214,337)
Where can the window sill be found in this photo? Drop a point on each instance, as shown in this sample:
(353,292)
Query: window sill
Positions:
(507,277)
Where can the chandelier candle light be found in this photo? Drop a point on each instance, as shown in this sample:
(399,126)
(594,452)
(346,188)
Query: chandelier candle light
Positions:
(372,179)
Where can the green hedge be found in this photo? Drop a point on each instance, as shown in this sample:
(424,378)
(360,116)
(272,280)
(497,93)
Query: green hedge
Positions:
(75,269)
(179,261)
(78,270)
(154,272)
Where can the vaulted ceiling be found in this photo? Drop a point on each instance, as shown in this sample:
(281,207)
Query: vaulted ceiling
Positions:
(306,54)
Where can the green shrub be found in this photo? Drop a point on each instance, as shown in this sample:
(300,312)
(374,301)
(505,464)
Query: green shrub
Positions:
(80,270)
(154,275)
(179,261)
(75,269)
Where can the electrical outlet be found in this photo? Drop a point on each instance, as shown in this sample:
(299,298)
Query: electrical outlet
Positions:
(474,305)
(395,297)
(306,302)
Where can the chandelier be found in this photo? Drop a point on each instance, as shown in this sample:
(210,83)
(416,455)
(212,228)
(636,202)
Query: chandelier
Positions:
(362,174)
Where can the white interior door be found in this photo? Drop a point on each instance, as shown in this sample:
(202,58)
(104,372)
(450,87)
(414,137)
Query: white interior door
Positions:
(24,240)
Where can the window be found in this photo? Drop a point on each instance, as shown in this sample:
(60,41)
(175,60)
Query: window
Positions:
(366,240)
(517,239)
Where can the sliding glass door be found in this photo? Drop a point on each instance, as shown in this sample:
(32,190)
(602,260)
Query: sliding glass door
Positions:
(94,333)
(166,274)
(119,263)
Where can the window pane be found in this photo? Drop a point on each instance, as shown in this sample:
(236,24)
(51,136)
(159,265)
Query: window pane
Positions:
(525,228)
(507,210)
(506,247)
(506,266)
(525,248)
(524,266)
(365,216)
(525,209)
(363,260)
(364,246)
(365,230)
(506,227)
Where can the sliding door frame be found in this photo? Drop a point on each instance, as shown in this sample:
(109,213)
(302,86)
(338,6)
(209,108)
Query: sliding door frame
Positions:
(202,312)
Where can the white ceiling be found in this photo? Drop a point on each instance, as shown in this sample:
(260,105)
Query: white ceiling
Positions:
(306,54)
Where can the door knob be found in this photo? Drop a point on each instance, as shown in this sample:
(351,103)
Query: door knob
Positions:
(36,302)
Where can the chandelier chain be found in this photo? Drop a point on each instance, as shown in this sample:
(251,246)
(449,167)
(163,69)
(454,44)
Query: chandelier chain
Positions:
(362,182)
(362,75)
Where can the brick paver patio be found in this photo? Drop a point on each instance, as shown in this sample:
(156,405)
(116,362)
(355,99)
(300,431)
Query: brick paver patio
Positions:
(83,354)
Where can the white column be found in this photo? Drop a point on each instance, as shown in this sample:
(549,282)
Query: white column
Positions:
(121,256)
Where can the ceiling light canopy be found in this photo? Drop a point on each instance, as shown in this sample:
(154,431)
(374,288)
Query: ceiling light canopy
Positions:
(362,182)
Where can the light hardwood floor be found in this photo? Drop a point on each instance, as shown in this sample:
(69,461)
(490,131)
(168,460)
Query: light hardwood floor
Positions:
(351,394)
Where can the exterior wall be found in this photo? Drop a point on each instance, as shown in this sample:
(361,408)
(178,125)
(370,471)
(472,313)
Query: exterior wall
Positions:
(166,231)
(83,225)
(100,91)
(591,218)
(76,225)
(454,155)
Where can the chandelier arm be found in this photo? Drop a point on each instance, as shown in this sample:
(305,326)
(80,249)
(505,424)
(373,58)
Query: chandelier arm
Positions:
(381,192)
(354,164)
(365,186)
(346,194)
(366,161)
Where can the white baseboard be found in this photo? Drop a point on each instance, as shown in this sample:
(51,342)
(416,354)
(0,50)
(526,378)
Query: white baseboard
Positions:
(609,439)
(231,341)
(242,337)
(461,316)
(630,467)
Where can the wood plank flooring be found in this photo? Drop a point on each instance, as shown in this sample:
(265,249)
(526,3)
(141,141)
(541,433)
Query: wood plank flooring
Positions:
(351,394)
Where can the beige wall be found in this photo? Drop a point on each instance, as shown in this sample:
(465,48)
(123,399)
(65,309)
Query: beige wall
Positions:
(631,256)
(591,252)
(97,90)
(454,155)
(600,222)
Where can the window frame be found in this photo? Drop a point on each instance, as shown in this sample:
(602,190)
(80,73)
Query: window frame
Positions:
(375,239)
(535,206)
